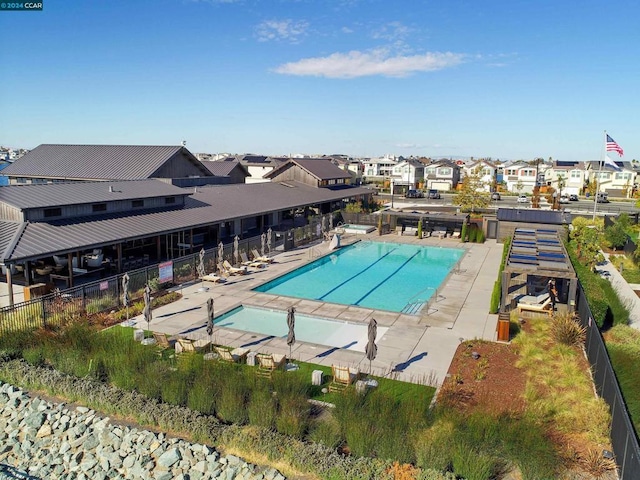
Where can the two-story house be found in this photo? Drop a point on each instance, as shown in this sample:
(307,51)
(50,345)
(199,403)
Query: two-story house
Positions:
(616,182)
(520,177)
(442,175)
(487,171)
(568,177)
(408,173)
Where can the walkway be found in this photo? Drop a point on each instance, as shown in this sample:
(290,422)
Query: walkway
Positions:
(625,292)
(416,348)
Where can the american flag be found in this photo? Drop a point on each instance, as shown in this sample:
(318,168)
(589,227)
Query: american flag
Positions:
(612,146)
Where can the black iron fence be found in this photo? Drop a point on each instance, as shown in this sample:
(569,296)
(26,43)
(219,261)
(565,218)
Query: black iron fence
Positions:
(623,435)
(106,294)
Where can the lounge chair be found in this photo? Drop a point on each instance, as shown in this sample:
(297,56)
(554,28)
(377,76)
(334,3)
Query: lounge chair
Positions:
(260,258)
(190,346)
(237,355)
(251,263)
(164,341)
(456,233)
(535,303)
(212,277)
(234,270)
(269,362)
(342,377)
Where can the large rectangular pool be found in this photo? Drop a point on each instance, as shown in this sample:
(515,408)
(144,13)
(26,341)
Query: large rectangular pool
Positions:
(377,275)
(322,331)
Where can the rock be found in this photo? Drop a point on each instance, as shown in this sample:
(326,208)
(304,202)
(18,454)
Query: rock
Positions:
(169,457)
(45,431)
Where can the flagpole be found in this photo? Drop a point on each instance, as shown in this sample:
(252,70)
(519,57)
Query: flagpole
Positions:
(595,200)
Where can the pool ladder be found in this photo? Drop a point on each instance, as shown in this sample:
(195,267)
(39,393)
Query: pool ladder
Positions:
(415,307)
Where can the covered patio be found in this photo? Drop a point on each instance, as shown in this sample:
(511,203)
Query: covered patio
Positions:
(535,257)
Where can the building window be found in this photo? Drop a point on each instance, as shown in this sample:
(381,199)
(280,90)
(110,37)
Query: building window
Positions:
(99,207)
(137,203)
(52,212)
(576,174)
(444,171)
(169,200)
(21,180)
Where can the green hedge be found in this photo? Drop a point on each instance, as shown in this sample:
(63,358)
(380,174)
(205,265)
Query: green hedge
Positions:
(496,294)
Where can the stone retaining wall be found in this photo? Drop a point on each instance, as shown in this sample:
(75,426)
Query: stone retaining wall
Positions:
(45,440)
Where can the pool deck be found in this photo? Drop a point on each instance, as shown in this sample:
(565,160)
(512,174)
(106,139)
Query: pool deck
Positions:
(415,348)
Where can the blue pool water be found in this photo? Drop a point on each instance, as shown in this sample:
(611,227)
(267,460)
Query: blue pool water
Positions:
(322,331)
(385,276)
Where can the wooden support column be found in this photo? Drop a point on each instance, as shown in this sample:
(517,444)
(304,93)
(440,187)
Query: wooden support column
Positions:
(9,285)
(27,274)
(158,248)
(119,257)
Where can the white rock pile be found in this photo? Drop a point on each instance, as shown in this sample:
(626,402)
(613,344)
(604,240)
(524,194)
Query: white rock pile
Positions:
(45,440)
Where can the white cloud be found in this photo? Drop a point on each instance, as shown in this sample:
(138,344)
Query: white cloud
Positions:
(393,31)
(288,30)
(408,145)
(374,62)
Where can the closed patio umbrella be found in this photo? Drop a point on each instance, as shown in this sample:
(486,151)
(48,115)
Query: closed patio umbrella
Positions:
(147,306)
(201,270)
(210,317)
(269,234)
(263,243)
(291,323)
(236,253)
(125,292)
(372,349)
(220,255)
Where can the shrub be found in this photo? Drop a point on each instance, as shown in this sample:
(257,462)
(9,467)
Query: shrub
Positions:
(496,296)
(262,407)
(293,415)
(326,431)
(232,401)
(433,446)
(472,464)
(463,234)
(566,330)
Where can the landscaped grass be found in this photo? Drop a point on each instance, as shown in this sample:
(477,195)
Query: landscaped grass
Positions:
(623,345)
(630,271)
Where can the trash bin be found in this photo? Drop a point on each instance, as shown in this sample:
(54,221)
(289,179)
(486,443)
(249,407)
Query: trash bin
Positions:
(289,243)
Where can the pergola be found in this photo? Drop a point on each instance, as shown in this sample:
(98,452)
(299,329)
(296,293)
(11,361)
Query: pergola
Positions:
(534,257)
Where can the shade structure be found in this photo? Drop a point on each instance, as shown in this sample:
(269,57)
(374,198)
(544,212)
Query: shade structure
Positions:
(372,349)
(291,323)
(147,305)
(210,316)
(269,234)
(201,270)
(236,248)
(263,243)
(125,292)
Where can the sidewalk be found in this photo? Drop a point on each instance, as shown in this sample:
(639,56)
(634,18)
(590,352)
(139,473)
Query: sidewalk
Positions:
(625,292)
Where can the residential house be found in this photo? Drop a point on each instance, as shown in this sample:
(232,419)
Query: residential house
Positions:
(408,173)
(442,175)
(229,171)
(568,177)
(520,176)
(616,182)
(379,169)
(487,171)
(316,172)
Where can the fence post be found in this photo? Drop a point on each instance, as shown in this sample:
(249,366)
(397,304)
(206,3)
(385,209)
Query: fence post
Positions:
(84,299)
(44,313)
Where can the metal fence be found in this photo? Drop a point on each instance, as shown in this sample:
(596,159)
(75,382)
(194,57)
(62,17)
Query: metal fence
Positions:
(106,294)
(623,435)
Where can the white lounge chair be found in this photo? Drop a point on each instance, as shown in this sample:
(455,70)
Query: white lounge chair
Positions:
(260,258)
(535,303)
(251,263)
(234,270)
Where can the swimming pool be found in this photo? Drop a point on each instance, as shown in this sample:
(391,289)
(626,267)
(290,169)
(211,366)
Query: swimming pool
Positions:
(385,276)
(332,333)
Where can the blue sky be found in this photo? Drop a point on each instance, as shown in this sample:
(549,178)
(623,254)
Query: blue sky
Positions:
(503,79)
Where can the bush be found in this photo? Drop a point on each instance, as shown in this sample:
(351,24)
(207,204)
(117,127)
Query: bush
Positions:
(566,330)
(496,296)
(232,402)
(262,407)
(326,431)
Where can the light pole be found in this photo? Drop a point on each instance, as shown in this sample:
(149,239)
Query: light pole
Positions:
(391,192)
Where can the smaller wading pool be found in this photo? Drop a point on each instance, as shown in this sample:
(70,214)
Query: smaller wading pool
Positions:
(322,331)
(353,228)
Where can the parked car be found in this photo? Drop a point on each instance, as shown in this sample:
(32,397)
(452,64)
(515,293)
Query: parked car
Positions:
(522,198)
(414,194)
(564,199)
(434,194)
(602,197)
(495,196)
(573,197)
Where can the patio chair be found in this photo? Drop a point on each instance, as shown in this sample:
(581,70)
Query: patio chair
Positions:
(456,233)
(164,341)
(260,258)
(342,377)
(237,355)
(190,346)
(212,277)
(251,263)
(234,270)
(269,362)
(531,303)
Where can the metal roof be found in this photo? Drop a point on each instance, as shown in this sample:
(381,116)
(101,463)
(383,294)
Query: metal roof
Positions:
(95,162)
(533,215)
(321,168)
(209,205)
(538,250)
(223,168)
(76,193)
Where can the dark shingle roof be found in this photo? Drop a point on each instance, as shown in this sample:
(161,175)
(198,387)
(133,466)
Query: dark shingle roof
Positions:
(209,205)
(72,193)
(96,162)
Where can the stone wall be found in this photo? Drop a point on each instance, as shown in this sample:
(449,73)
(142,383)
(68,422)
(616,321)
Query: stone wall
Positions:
(44,440)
